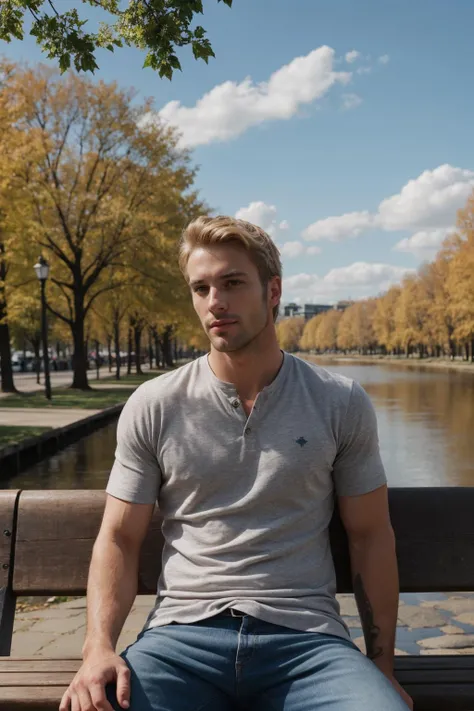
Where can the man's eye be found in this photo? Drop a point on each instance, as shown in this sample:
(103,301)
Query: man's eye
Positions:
(200,289)
(234,282)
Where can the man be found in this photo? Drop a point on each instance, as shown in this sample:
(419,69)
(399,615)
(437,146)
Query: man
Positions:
(244,450)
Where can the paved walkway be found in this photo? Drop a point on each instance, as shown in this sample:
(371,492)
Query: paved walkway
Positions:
(42,417)
(427,624)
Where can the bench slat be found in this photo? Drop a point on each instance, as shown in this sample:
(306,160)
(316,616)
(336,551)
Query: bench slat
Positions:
(434,528)
(49,538)
(37,664)
(435,683)
(30,699)
(36,679)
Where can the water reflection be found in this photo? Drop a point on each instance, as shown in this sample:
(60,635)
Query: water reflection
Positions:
(426,422)
(83,465)
(426,429)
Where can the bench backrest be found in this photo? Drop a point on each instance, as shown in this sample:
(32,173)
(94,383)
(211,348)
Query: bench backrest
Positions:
(51,534)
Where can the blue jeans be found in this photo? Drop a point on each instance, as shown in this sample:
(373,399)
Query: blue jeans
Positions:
(231,664)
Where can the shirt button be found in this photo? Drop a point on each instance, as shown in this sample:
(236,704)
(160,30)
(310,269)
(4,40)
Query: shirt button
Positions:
(235,403)
(248,430)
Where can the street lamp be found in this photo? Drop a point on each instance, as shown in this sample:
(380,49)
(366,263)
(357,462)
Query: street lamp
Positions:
(42,272)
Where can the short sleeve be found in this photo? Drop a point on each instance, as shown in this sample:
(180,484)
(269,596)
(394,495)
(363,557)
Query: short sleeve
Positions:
(135,475)
(358,467)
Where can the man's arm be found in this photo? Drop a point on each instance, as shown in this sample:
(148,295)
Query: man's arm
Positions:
(113,575)
(111,590)
(374,570)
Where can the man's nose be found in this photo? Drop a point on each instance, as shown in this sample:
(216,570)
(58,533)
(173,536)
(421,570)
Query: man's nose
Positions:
(217,300)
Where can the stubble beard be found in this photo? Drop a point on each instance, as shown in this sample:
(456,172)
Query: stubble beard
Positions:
(242,341)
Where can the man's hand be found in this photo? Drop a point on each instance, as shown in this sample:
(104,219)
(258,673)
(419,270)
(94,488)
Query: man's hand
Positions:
(406,698)
(87,690)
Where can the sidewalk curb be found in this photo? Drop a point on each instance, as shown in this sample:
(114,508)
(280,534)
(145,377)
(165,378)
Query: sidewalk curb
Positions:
(16,457)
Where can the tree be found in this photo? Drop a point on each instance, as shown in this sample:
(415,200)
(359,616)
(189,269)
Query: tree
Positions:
(13,145)
(289,332)
(326,335)
(461,278)
(410,315)
(383,323)
(99,183)
(346,335)
(308,338)
(156,26)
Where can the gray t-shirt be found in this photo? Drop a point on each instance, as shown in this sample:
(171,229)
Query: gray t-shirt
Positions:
(246,502)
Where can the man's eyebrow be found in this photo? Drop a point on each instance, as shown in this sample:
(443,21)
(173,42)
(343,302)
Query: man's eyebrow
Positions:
(227,275)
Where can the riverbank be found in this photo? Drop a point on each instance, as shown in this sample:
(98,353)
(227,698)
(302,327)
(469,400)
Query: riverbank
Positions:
(32,428)
(400,361)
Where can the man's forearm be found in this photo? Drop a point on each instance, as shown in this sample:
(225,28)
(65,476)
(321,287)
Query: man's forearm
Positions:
(375,580)
(111,590)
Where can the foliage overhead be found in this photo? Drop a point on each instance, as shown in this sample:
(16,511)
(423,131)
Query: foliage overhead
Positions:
(155,26)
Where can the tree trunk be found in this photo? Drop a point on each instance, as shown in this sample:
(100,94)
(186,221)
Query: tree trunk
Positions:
(167,346)
(452,349)
(36,343)
(157,349)
(137,333)
(129,355)
(79,358)
(150,349)
(472,350)
(466,350)
(117,348)
(8,385)
(97,359)
(109,352)
(6,370)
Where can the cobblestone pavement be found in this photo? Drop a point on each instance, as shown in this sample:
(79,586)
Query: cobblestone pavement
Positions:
(427,624)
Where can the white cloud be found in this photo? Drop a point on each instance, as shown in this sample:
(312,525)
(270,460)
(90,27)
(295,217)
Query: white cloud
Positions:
(265,216)
(357,280)
(423,244)
(350,101)
(292,249)
(231,108)
(384,59)
(313,250)
(363,274)
(363,70)
(337,228)
(352,56)
(426,203)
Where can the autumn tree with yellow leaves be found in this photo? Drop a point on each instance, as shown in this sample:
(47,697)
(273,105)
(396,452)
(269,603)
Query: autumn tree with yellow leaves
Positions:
(430,313)
(98,186)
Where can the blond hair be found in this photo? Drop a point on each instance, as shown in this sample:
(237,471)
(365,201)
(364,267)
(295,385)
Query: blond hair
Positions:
(220,230)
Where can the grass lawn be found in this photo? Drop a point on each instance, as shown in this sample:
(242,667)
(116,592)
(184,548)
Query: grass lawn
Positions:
(132,379)
(66,397)
(13,435)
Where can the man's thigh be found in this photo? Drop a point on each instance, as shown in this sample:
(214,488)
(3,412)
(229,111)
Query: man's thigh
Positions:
(168,673)
(328,673)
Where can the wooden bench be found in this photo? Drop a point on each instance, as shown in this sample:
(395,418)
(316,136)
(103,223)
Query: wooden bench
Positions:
(46,539)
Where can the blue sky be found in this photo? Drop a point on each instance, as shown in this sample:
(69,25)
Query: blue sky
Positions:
(341,126)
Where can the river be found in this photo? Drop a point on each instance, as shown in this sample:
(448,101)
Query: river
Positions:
(426,431)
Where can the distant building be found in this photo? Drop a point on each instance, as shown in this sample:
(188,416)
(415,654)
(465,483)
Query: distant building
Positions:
(343,305)
(307,310)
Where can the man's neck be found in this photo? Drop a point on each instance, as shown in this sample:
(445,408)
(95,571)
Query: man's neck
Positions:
(250,370)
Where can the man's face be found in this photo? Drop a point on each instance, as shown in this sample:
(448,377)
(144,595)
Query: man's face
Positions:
(228,296)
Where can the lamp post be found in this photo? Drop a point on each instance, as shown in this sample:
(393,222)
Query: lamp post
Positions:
(42,272)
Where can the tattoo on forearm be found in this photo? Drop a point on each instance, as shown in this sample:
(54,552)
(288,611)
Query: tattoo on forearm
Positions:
(371,631)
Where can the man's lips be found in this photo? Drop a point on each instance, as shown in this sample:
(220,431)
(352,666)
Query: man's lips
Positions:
(223,322)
